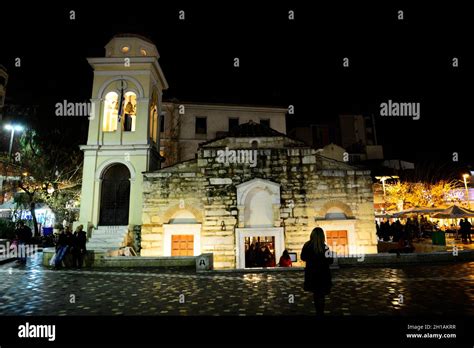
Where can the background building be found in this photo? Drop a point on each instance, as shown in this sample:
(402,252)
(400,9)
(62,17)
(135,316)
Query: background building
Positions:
(184,125)
(356,134)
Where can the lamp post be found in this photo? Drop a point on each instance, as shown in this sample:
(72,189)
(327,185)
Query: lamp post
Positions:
(12,128)
(465,176)
(383,179)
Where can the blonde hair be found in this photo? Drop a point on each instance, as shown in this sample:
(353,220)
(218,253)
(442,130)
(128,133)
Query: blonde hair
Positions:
(318,240)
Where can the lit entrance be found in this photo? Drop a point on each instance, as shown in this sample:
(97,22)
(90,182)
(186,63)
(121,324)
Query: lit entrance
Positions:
(260,252)
(115,196)
(269,240)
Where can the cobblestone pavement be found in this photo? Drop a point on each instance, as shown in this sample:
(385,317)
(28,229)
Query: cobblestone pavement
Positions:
(441,289)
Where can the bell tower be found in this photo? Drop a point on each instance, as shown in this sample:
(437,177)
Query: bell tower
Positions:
(123,138)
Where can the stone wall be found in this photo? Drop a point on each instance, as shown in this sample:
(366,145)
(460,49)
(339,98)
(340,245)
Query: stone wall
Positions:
(310,186)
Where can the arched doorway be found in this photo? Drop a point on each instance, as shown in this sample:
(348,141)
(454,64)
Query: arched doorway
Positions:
(258,200)
(115,196)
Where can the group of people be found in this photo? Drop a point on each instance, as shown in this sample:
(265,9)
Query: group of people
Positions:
(260,255)
(395,231)
(402,234)
(465,231)
(70,243)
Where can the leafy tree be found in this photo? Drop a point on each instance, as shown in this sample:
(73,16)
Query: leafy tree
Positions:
(48,172)
(421,194)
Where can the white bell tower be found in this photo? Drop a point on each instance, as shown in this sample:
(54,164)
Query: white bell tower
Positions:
(123,139)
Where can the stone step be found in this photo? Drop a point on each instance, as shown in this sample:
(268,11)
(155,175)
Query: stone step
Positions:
(111,229)
(103,246)
(108,233)
(107,238)
(110,242)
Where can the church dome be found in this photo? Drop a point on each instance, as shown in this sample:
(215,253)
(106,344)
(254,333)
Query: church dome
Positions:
(130,45)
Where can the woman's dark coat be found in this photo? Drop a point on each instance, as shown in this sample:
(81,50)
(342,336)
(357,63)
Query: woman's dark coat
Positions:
(317,276)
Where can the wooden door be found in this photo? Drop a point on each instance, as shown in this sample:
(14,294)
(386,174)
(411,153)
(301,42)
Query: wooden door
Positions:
(337,241)
(115,196)
(182,245)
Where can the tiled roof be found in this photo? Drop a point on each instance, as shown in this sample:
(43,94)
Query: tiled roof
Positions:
(253,129)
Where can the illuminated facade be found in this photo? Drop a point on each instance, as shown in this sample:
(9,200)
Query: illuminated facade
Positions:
(119,149)
(228,176)
(255,185)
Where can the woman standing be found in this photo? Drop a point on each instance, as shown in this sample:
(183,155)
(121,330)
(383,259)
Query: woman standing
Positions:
(317,276)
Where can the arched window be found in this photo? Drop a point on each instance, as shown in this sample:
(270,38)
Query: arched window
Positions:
(150,121)
(110,112)
(335,213)
(153,117)
(130,112)
(258,208)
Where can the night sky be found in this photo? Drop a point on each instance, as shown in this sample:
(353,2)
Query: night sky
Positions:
(282,62)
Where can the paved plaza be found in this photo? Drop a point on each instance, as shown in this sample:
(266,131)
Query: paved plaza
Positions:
(441,289)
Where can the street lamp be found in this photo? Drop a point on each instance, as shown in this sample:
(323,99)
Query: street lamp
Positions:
(465,176)
(50,189)
(384,178)
(12,128)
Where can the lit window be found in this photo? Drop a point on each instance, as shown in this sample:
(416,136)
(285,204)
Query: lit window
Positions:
(152,111)
(155,126)
(143,52)
(110,112)
(125,49)
(130,112)
(152,125)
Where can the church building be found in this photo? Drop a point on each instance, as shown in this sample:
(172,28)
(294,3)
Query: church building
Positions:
(195,178)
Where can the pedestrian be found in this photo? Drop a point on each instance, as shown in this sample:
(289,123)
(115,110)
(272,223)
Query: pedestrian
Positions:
(462,230)
(285,259)
(250,256)
(79,246)
(61,249)
(268,257)
(259,262)
(23,236)
(378,233)
(468,230)
(385,230)
(397,230)
(465,229)
(317,276)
